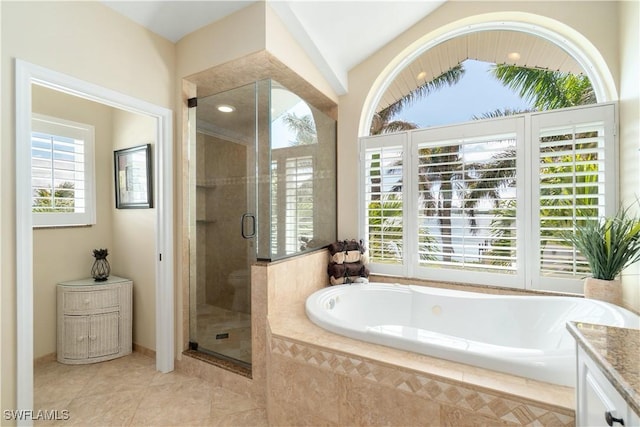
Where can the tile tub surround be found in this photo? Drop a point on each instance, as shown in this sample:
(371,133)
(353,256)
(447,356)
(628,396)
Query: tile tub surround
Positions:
(616,351)
(305,360)
(316,377)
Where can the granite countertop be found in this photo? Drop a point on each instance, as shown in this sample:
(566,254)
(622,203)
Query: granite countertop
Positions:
(617,352)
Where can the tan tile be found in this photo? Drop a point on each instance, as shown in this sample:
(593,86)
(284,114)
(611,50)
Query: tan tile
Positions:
(365,403)
(63,387)
(282,414)
(225,402)
(171,415)
(107,409)
(169,378)
(252,418)
(305,390)
(118,379)
(183,393)
(455,417)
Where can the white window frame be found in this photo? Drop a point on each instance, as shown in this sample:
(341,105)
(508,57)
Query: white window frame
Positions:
(562,117)
(469,131)
(527,127)
(284,232)
(66,128)
(400,139)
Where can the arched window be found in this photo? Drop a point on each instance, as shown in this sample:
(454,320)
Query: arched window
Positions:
(486,201)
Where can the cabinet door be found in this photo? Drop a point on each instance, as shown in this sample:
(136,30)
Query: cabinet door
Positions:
(104,334)
(76,337)
(598,403)
(597,396)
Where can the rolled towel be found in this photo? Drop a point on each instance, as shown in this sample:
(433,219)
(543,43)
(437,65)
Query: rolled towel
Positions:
(346,245)
(344,270)
(348,257)
(350,279)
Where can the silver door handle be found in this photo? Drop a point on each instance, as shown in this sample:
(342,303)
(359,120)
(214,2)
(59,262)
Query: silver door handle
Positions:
(243,225)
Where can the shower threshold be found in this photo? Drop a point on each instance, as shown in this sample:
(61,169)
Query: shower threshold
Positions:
(227,363)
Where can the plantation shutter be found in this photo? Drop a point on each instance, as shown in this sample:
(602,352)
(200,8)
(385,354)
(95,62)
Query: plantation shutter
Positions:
(466,180)
(291,202)
(461,197)
(299,202)
(57,170)
(574,181)
(61,172)
(383,191)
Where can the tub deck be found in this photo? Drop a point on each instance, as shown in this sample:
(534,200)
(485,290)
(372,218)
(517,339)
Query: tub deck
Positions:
(450,386)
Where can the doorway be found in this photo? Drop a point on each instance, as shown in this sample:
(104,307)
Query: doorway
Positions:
(26,75)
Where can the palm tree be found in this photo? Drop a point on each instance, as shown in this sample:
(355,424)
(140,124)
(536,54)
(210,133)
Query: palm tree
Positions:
(442,174)
(382,122)
(442,167)
(303,126)
(504,112)
(548,90)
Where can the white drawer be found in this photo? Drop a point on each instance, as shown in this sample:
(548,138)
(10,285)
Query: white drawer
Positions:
(90,300)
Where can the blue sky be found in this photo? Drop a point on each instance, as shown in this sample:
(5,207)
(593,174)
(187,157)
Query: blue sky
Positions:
(476,93)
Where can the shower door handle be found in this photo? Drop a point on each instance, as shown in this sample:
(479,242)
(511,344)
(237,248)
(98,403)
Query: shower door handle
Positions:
(243,225)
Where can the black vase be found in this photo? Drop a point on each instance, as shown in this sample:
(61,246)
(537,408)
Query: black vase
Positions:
(100,269)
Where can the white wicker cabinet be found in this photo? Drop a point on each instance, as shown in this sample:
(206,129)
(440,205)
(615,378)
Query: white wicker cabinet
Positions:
(94,320)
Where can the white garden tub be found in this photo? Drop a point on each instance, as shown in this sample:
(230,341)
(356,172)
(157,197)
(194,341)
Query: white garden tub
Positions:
(520,335)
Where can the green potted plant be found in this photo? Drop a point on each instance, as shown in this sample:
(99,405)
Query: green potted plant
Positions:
(609,245)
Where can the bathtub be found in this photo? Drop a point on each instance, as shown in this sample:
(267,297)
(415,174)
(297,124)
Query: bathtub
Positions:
(520,335)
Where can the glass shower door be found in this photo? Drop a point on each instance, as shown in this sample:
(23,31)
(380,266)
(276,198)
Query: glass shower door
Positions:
(223,222)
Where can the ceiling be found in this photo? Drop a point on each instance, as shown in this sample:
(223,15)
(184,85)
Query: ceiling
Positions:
(337,35)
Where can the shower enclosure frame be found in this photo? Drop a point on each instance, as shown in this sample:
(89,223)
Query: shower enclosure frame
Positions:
(260,218)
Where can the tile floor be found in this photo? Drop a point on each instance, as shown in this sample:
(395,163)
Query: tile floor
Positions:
(213,320)
(129,392)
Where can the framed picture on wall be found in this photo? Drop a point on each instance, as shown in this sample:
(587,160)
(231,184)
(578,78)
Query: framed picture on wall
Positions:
(132,167)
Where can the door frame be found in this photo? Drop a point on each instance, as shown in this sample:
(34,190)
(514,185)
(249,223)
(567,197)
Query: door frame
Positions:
(27,74)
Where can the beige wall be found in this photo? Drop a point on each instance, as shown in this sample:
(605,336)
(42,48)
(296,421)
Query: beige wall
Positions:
(134,235)
(61,254)
(630,130)
(66,253)
(85,40)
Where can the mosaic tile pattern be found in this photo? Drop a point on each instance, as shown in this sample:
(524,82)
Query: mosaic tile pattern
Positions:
(506,409)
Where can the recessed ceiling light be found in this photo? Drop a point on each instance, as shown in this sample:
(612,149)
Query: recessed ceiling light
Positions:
(421,75)
(224,108)
(513,56)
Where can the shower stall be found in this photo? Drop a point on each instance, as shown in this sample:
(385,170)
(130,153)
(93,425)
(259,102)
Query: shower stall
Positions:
(261,187)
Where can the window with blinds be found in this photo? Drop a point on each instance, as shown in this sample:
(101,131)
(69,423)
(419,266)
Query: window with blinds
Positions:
(383,202)
(575,183)
(61,172)
(467,204)
(291,203)
(298,203)
(487,202)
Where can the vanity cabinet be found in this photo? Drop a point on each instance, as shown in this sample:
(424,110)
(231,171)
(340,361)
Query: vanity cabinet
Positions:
(598,402)
(94,320)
